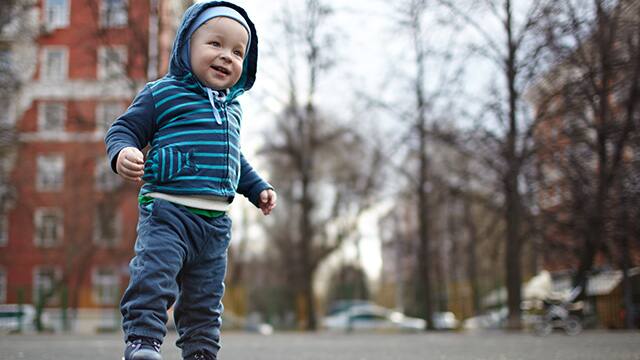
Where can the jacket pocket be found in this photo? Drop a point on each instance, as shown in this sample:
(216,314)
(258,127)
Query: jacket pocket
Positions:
(169,162)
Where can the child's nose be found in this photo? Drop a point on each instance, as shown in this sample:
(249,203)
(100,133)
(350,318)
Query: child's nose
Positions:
(225,55)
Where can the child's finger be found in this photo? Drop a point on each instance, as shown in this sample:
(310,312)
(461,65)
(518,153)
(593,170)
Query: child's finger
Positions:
(132,165)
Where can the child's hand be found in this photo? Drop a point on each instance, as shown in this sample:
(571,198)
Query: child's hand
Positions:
(267,201)
(130,164)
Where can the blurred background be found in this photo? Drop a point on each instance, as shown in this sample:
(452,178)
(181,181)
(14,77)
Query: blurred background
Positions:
(440,164)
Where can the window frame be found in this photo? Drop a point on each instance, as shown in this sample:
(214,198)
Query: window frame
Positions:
(63,71)
(98,238)
(43,110)
(105,288)
(4,283)
(102,114)
(57,276)
(4,231)
(105,180)
(38,218)
(45,171)
(107,21)
(52,24)
(107,71)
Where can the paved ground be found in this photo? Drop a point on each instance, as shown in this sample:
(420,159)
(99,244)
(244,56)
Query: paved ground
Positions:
(290,346)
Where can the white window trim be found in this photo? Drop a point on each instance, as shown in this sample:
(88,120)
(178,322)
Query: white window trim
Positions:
(114,281)
(57,273)
(102,55)
(48,25)
(37,220)
(65,61)
(39,185)
(42,116)
(103,19)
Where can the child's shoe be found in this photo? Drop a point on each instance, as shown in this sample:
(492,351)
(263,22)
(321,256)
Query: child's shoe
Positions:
(142,348)
(202,355)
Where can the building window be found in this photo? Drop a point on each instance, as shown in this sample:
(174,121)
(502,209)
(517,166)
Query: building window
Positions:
(50,173)
(56,14)
(106,179)
(49,227)
(51,117)
(46,283)
(54,63)
(114,13)
(112,62)
(3,286)
(106,113)
(107,226)
(4,230)
(106,286)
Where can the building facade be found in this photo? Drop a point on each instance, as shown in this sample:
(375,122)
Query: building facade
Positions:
(67,230)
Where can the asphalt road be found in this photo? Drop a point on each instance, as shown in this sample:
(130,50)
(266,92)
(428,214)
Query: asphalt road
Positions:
(289,346)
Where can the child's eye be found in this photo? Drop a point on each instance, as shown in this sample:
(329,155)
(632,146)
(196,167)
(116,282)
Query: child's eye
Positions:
(215,44)
(238,53)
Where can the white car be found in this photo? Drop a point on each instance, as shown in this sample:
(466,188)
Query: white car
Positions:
(373,318)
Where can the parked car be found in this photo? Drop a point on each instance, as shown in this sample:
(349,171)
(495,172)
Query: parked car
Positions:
(342,305)
(372,318)
(233,322)
(496,319)
(14,317)
(445,320)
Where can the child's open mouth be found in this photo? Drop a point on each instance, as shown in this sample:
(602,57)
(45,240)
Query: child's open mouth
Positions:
(221,70)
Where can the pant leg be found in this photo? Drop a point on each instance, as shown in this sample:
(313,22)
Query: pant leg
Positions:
(159,255)
(199,307)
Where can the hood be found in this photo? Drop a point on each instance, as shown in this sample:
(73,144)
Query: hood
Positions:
(178,68)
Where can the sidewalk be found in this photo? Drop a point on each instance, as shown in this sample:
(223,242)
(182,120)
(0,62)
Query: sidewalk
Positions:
(315,346)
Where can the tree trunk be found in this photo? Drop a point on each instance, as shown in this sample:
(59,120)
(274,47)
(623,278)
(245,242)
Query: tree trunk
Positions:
(472,258)
(512,194)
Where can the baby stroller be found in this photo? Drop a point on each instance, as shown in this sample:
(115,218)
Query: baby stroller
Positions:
(561,314)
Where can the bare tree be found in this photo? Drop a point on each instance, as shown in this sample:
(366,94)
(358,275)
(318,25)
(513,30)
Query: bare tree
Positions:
(595,87)
(516,50)
(14,27)
(323,168)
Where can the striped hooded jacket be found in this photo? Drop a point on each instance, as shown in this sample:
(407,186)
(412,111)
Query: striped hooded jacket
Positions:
(193,132)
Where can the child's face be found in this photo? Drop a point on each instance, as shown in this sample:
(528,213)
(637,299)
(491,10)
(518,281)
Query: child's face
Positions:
(217,52)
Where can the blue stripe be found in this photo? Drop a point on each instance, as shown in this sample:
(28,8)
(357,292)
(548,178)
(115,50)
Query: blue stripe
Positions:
(187,122)
(179,133)
(171,165)
(212,167)
(169,98)
(176,120)
(209,178)
(199,143)
(169,87)
(209,154)
(162,153)
(173,108)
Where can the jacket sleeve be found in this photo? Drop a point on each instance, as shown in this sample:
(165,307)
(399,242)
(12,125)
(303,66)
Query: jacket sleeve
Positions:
(251,184)
(134,128)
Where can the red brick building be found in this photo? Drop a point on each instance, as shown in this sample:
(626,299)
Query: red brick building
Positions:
(67,236)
